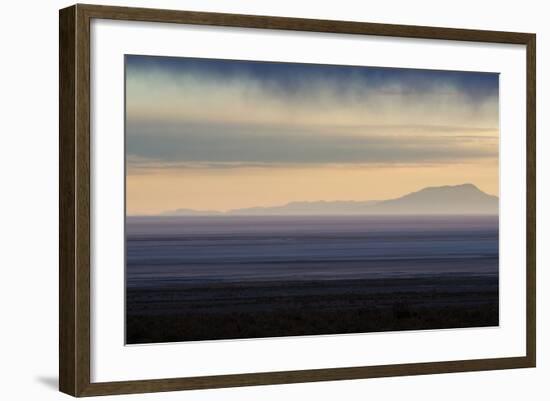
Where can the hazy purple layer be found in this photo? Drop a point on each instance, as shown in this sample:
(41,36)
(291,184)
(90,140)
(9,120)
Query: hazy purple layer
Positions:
(169,250)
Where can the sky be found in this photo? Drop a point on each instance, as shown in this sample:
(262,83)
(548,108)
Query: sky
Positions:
(211,134)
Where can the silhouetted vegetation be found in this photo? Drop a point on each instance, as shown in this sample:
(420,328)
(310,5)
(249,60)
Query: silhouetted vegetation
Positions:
(263,309)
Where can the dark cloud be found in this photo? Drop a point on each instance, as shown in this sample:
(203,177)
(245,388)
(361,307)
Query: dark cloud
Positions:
(293,79)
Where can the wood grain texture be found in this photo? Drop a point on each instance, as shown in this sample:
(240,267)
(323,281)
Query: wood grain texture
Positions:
(301,24)
(302,376)
(82,200)
(531,229)
(67,299)
(74,199)
(74,206)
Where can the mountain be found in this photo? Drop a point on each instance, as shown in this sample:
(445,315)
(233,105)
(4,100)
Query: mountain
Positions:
(457,199)
(191,212)
(309,208)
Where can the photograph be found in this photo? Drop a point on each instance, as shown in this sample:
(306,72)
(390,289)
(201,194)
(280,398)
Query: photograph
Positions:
(273,199)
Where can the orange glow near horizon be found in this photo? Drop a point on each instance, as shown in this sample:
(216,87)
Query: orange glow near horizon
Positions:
(222,190)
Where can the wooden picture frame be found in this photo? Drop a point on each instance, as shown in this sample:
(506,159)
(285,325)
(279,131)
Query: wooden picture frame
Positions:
(74,204)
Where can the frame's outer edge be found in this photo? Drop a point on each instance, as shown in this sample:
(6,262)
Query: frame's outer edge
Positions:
(531,231)
(82,200)
(301,24)
(302,376)
(74,200)
(74,204)
(67,224)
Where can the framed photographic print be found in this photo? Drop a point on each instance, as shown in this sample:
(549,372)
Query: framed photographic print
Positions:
(250,200)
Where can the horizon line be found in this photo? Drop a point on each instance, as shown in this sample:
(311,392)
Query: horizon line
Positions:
(235,211)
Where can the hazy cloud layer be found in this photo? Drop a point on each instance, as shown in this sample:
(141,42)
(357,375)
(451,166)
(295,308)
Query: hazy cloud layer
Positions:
(188,112)
(231,145)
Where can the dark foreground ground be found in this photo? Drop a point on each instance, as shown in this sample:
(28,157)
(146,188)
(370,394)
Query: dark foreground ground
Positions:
(210,311)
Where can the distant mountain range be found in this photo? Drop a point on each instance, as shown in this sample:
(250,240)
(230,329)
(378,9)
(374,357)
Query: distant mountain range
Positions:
(456,199)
